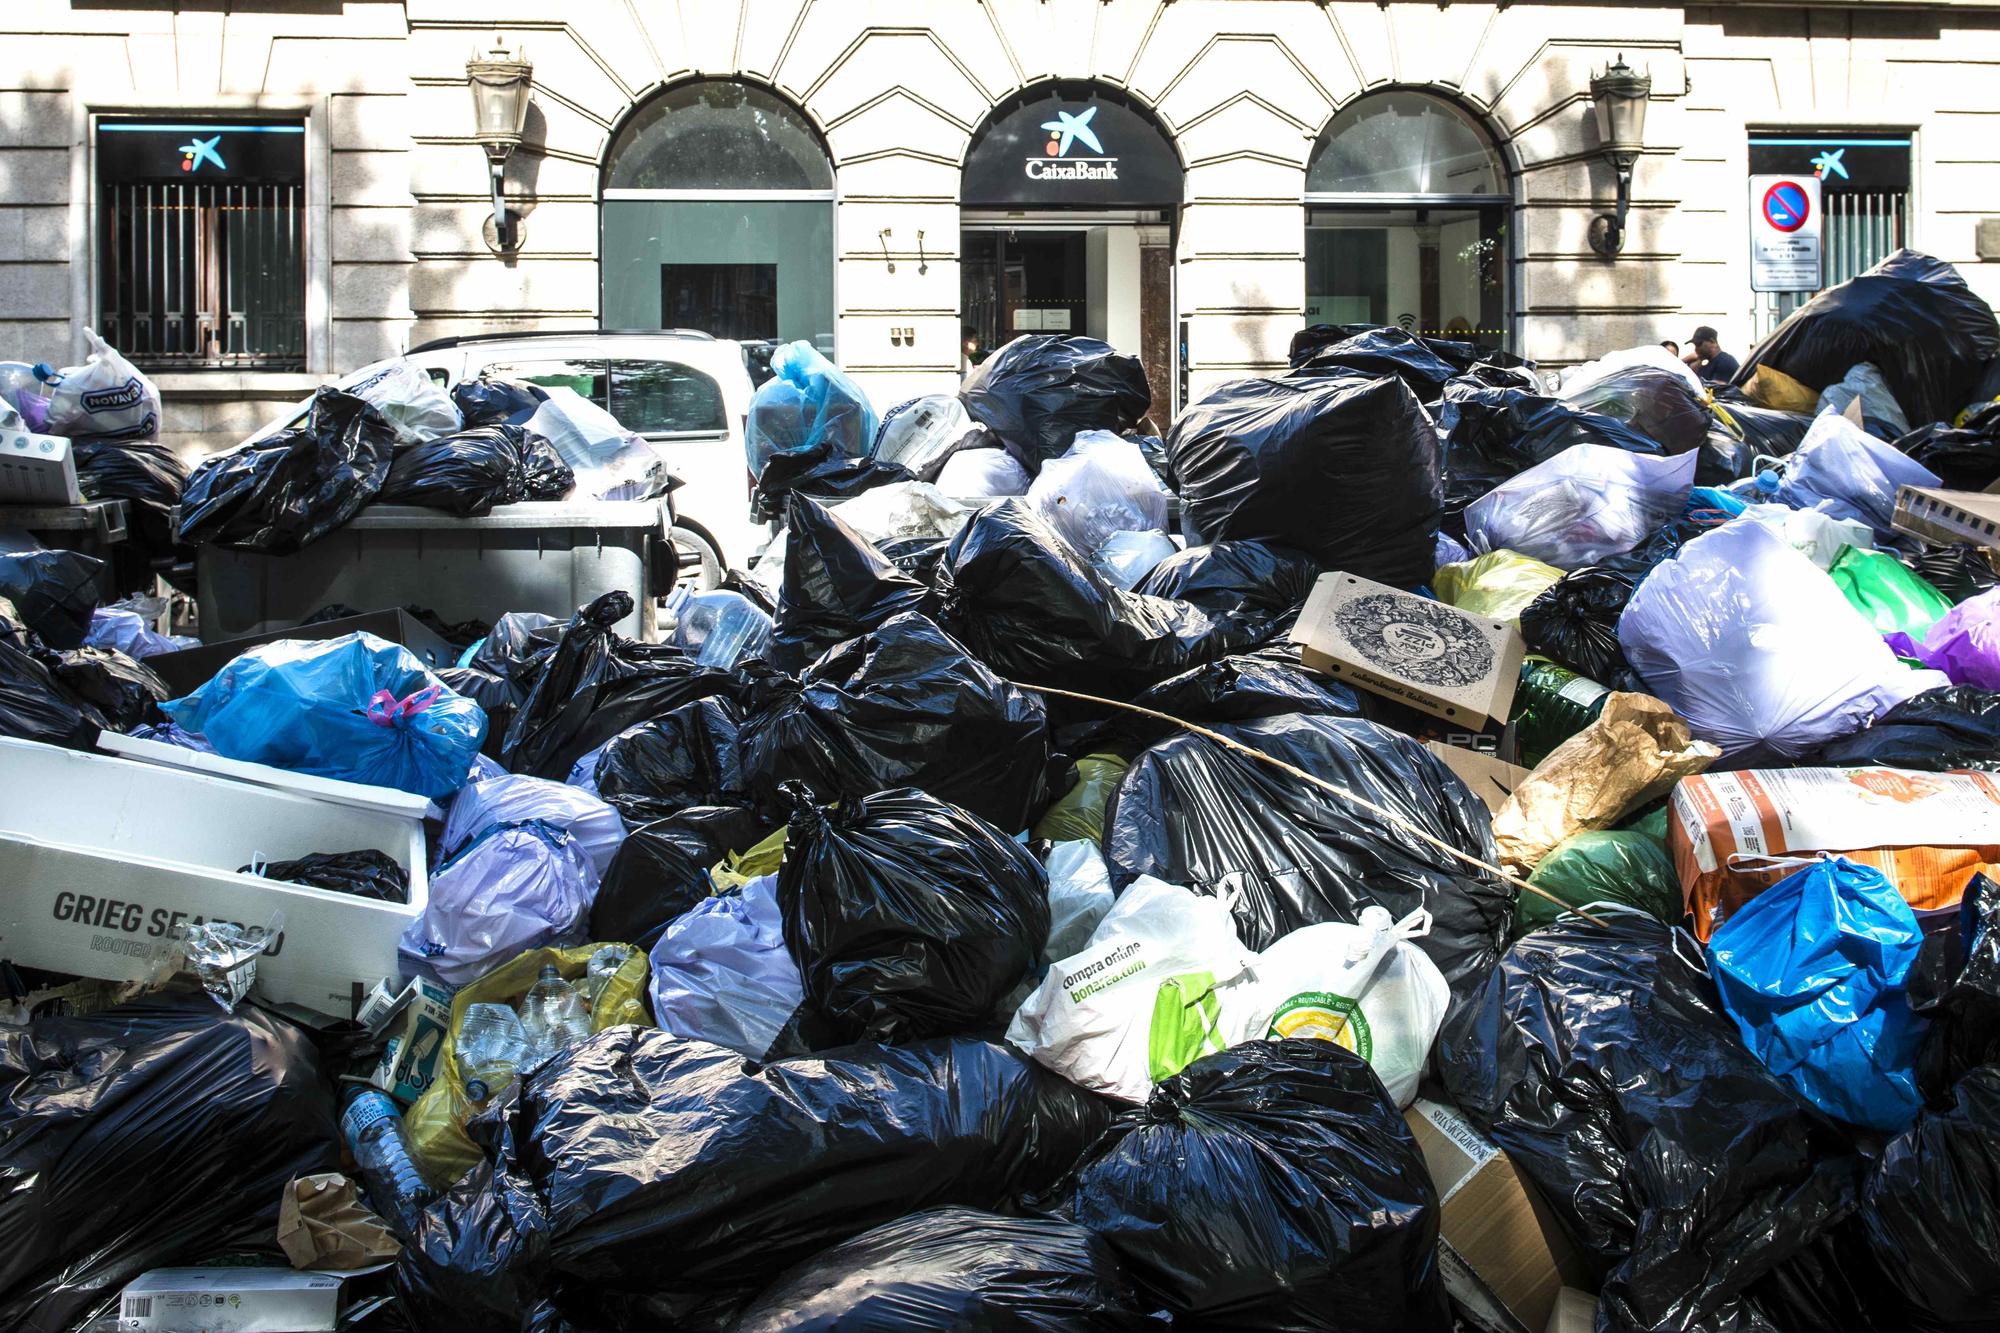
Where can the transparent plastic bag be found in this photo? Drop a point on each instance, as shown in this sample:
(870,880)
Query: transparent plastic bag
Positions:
(807,402)
(414,403)
(982,474)
(904,509)
(1878,402)
(1843,471)
(1588,502)
(610,462)
(1124,558)
(917,433)
(1101,486)
(106,398)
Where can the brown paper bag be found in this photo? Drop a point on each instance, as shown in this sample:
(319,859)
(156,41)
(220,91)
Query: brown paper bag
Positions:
(1631,755)
(322,1223)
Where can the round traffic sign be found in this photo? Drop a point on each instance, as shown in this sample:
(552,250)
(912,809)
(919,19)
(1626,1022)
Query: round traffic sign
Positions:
(1786,206)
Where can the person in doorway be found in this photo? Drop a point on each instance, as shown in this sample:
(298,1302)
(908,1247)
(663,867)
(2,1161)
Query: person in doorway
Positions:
(1671,346)
(1708,360)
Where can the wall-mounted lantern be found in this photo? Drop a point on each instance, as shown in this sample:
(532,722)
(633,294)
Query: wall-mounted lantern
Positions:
(1619,96)
(500,80)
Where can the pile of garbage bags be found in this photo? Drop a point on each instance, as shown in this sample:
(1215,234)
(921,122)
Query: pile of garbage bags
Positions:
(1039,923)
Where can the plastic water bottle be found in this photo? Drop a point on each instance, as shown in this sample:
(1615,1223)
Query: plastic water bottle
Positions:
(718,627)
(554,1015)
(604,965)
(1758,490)
(395,1188)
(491,1045)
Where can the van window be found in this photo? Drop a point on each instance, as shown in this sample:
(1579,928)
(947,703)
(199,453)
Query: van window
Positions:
(664,398)
(586,375)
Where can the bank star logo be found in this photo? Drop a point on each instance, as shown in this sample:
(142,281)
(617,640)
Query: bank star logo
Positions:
(1828,165)
(198,151)
(1066,129)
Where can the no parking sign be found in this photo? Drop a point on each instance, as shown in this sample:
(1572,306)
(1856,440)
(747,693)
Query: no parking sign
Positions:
(1784,233)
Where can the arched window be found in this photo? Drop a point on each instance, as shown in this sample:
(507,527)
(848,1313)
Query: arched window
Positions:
(718,216)
(1408,220)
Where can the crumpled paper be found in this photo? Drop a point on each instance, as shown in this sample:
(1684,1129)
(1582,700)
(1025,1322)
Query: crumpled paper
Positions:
(1631,755)
(322,1223)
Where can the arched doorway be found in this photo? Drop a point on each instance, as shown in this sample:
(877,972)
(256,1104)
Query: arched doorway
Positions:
(1070,195)
(717,215)
(1408,216)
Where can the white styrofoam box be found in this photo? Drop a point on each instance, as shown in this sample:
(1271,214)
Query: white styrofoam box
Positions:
(385,800)
(101,856)
(37,469)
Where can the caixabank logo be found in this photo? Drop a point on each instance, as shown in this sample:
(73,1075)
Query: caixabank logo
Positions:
(1066,131)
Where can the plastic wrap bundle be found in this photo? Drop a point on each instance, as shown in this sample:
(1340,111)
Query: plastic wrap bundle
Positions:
(1101,486)
(1037,392)
(286,491)
(1341,467)
(1911,316)
(1757,648)
(413,403)
(1585,504)
(1661,404)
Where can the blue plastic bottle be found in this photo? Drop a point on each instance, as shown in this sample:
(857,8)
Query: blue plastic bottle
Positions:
(395,1188)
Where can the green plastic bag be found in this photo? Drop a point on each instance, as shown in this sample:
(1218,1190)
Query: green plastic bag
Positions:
(1612,866)
(1080,812)
(1886,593)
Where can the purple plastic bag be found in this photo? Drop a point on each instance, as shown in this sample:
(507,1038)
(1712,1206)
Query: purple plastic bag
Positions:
(513,888)
(1964,643)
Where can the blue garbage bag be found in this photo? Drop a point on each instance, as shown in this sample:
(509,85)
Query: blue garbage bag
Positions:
(1814,972)
(807,402)
(513,888)
(358,708)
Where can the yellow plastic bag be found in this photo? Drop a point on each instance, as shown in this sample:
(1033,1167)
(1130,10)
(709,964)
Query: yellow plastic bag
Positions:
(436,1123)
(1770,387)
(739,868)
(1080,812)
(1496,585)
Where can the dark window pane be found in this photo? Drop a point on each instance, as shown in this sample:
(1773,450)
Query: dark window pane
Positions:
(660,398)
(726,300)
(718,135)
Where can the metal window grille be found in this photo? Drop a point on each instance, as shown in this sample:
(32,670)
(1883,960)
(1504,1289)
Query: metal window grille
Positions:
(205,275)
(1860,229)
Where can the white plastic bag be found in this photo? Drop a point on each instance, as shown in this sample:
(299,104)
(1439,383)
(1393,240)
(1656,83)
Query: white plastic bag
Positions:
(1575,379)
(106,398)
(415,404)
(1878,400)
(1757,648)
(1100,486)
(129,633)
(1090,1018)
(610,462)
(1842,470)
(917,433)
(1079,896)
(1126,557)
(721,972)
(1818,536)
(1588,502)
(904,509)
(980,474)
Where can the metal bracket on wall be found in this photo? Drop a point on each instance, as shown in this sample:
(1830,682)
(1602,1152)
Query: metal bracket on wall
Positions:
(883,237)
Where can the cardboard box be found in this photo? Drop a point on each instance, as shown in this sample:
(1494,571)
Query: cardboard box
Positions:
(1575,1312)
(244,1300)
(37,469)
(1491,778)
(1504,1256)
(190,668)
(1939,515)
(421,1016)
(103,856)
(1434,657)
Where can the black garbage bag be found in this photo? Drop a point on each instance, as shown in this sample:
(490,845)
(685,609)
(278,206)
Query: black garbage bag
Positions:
(1011,591)
(1493,433)
(150,478)
(1955,984)
(1291,854)
(690,757)
(769,1164)
(1655,401)
(496,696)
(1911,316)
(1957,570)
(366,873)
(155,1134)
(823,472)
(125,692)
(1464,356)
(836,586)
(33,706)
(903,706)
(1765,430)
(54,592)
(908,917)
(661,870)
(1272,1186)
(915,556)
(595,684)
(1956,726)
(1267,683)
(1725,457)
(1931,1215)
(1039,390)
(494,402)
(1384,351)
(1342,467)
(1574,622)
(1965,458)
(1600,1059)
(285,492)
(474,470)
(1230,578)
(514,642)
(948,1270)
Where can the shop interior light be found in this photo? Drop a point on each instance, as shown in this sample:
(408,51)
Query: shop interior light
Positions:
(500,80)
(1618,95)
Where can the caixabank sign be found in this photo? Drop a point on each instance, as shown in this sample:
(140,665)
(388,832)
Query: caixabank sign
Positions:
(1071,146)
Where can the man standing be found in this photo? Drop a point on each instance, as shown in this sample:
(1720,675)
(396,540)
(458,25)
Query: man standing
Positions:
(1708,360)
